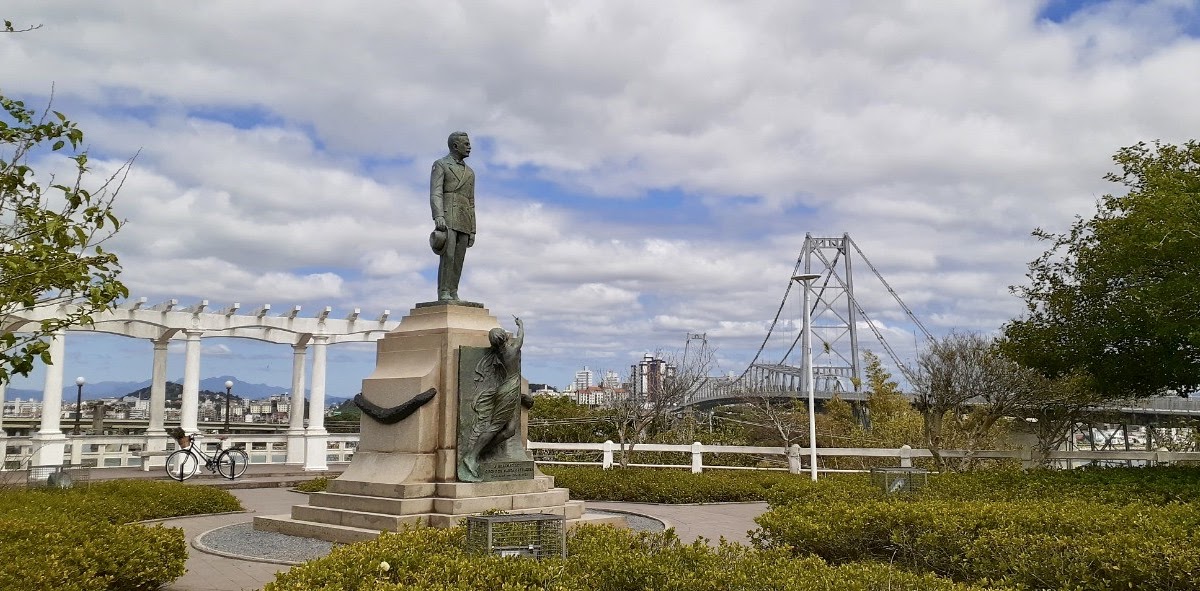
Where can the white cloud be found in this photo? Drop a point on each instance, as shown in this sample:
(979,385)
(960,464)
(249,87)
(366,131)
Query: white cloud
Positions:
(285,153)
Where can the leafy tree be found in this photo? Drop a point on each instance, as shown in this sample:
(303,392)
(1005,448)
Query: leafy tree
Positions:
(50,235)
(894,422)
(1115,296)
(558,419)
(1058,405)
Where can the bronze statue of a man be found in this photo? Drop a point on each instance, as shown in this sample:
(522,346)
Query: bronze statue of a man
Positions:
(452,198)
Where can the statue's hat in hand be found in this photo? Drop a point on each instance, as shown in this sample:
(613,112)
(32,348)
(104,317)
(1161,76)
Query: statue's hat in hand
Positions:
(437,241)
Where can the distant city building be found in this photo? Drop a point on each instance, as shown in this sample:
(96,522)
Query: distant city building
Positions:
(591,396)
(545,390)
(611,379)
(649,375)
(583,379)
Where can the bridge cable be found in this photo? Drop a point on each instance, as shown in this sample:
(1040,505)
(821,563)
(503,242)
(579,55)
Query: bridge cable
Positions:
(878,335)
(795,271)
(895,295)
(815,303)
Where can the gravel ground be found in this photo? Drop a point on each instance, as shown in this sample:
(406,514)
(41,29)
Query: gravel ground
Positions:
(243,541)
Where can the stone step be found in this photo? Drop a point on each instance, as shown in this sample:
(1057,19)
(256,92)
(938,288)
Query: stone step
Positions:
(359,519)
(509,502)
(387,505)
(338,534)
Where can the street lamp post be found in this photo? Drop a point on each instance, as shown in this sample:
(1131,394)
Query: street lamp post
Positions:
(79,382)
(804,280)
(228,394)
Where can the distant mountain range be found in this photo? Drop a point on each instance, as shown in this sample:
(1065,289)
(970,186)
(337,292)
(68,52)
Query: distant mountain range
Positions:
(100,390)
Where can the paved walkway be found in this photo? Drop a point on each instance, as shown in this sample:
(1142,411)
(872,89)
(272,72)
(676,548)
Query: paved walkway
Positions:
(208,572)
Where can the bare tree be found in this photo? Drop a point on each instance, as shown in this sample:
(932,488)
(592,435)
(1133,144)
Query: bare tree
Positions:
(963,377)
(659,386)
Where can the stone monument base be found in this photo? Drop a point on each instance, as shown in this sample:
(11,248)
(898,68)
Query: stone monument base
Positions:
(354,511)
(405,474)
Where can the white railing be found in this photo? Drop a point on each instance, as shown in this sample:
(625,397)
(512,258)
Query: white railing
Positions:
(903,455)
(132,451)
(125,451)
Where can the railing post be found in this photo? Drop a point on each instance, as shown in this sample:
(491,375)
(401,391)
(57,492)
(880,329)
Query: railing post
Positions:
(906,456)
(77,451)
(793,456)
(608,454)
(697,457)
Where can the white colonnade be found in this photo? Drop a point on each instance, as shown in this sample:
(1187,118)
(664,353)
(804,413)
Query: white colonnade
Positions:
(166,322)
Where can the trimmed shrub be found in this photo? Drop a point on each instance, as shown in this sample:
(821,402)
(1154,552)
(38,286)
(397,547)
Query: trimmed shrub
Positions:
(1036,544)
(81,539)
(98,556)
(1155,485)
(600,558)
(649,485)
(119,501)
(318,484)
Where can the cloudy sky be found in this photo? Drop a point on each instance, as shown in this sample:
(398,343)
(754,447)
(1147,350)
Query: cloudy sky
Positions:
(645,169)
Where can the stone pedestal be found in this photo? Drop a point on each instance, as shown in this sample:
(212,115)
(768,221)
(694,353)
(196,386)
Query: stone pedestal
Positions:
(406,473)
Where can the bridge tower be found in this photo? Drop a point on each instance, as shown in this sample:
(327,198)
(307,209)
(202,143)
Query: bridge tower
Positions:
(835,352)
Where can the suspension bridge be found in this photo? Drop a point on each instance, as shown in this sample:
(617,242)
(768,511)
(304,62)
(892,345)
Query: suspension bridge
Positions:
(837,314)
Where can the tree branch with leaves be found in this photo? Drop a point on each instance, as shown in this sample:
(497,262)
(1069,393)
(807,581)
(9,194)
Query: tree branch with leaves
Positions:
(51,234)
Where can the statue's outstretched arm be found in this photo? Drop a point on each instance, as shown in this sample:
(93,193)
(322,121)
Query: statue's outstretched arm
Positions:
(519,338)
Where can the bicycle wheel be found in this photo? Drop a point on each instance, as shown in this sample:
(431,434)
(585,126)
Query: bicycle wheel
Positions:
(182,465)
(242,461)
(231,463)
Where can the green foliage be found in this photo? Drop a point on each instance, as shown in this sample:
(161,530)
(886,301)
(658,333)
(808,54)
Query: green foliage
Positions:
(1160,485)
(649,485)
(1114,297)
(79,555)
(84,540)
(318,484)
(600,558)
(120,501)
(1087,529)
(50,234)
(555,419)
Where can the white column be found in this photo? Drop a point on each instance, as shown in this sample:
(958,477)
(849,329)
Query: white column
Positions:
(295,432)
(158,391)
(3,434)
(190,410)
(49,443)
(316,437)
(156,434)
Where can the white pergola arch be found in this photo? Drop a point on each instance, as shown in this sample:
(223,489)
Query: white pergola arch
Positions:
(166,322)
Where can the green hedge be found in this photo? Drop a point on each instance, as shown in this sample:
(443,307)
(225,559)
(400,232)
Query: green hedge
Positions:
(119,501)
(318,484)
(82,539)
(650,485)
(1057,544)
(1156,485)
(600,558)
(63,553)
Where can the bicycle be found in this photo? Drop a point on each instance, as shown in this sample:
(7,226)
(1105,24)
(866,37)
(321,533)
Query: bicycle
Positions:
(184,462)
